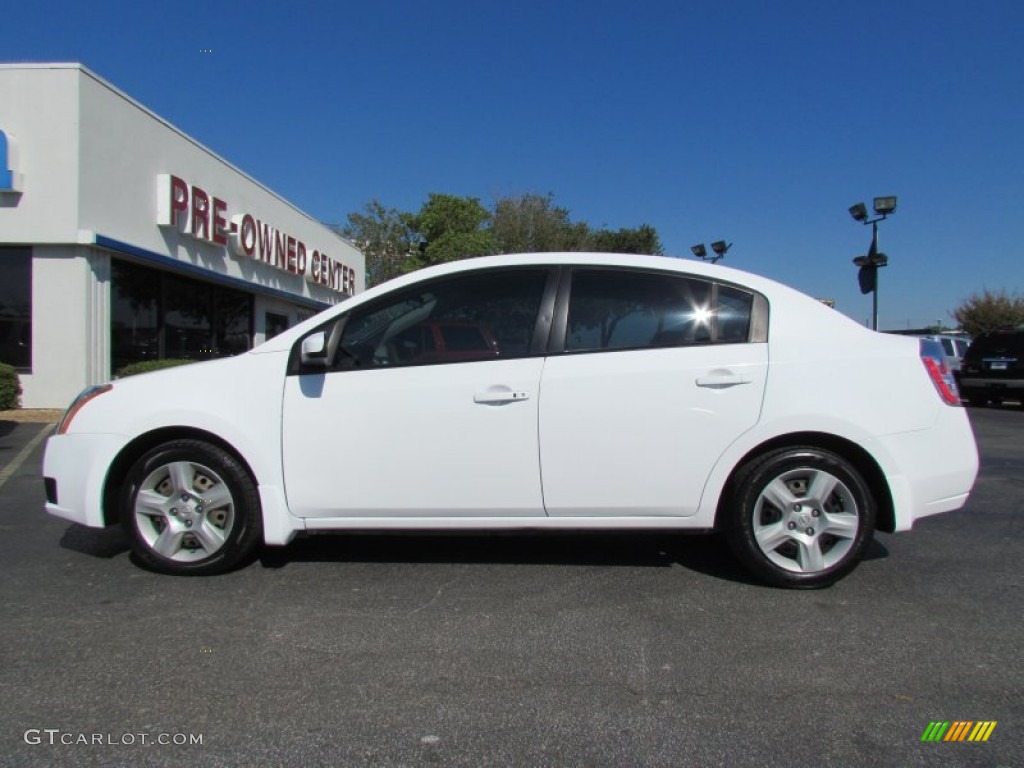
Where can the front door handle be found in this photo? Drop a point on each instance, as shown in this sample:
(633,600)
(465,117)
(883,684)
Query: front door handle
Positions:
(722,380)
(500,396)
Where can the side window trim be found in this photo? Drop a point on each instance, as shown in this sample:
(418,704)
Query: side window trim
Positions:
(758,320)
(713,302)
(560,318)
(545,325)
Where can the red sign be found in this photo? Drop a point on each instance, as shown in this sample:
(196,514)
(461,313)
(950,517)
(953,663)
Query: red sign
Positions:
(193,212)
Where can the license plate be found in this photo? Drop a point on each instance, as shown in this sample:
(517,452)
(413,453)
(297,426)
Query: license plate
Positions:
(998,366)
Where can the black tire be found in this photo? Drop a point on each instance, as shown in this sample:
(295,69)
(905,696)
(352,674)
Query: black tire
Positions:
(191,508)
(783,533)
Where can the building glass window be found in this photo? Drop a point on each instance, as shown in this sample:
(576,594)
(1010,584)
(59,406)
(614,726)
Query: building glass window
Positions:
(156,315)
(274,324)
(188,327)
(134,315)
(16,307)
(233,321)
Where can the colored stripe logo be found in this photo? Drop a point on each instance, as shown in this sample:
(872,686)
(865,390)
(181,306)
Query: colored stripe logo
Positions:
(10,179)
(958,730)
(6,176)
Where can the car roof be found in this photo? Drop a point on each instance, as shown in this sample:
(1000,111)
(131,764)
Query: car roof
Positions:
(663,263)
(785,301)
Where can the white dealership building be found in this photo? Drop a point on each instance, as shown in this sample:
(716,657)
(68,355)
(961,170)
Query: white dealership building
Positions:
(123,240)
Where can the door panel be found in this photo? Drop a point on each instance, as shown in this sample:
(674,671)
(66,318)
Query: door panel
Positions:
(430,404)
(660,373)
(414,441)
(638,432)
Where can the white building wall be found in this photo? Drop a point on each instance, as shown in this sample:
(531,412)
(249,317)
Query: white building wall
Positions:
(125,148)
(89,158)
(63,324)
(97,311)
(39,115)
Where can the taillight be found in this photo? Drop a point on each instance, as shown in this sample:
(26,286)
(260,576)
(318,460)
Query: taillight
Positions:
(935,363)
(80,401)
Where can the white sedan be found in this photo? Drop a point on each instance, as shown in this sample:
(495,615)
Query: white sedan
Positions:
(540,392)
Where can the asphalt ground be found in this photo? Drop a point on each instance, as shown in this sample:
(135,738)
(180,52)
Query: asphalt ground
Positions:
(566,650)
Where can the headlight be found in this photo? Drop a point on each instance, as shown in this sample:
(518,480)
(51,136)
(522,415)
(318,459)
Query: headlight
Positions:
(83,398)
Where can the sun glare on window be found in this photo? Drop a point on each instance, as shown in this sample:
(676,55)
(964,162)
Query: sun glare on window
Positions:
(701,315)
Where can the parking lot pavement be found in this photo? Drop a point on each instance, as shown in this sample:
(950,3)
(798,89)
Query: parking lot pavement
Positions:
(19,441)
(598,650)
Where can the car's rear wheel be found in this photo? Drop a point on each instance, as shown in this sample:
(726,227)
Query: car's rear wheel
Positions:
(191,508)
(800,517)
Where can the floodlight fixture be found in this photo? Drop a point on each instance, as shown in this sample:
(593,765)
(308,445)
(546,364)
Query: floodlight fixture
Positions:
(885,205)
(719,247)
(859,212)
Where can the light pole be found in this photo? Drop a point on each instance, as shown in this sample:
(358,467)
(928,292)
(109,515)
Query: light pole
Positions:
(719,247)
(867,275)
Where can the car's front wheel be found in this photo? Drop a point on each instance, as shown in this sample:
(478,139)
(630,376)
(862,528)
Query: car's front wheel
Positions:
(191,508)
(800,517)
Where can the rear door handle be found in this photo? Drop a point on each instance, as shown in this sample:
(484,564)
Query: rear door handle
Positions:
(500,396)
(722,380)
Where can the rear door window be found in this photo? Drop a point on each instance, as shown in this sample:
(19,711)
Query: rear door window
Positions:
(611,309)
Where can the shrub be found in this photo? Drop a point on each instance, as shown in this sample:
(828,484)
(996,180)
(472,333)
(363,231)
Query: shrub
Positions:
(990,311)
(149,365)
(10,388)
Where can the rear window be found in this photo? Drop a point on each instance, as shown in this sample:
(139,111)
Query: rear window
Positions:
(997,344)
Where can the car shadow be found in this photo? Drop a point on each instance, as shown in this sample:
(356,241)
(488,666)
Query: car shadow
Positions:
(875,551)
(707,554)
(105,543)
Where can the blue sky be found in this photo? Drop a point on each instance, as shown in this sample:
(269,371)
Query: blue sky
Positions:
(755,122)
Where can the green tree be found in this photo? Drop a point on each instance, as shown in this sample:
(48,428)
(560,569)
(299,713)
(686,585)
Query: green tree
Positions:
(641,240)
(532,223)
(386,238)
(453,228)
(448,228)
(990,311)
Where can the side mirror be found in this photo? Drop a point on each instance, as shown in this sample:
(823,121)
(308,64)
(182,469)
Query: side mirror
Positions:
(314,351)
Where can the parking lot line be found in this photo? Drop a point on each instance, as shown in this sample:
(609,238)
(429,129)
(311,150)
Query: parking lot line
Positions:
(23,454)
